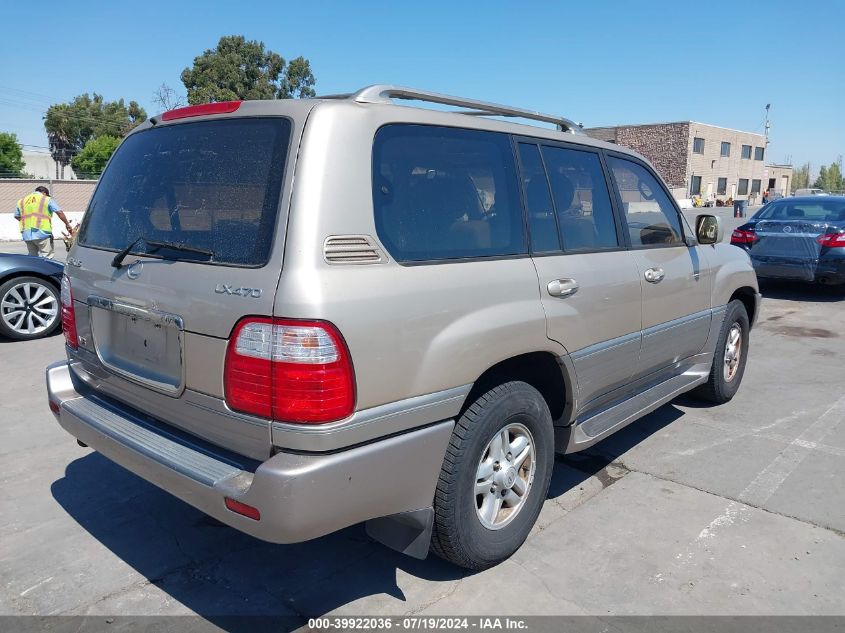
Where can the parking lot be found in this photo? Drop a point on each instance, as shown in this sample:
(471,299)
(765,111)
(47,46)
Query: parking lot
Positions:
(737,509)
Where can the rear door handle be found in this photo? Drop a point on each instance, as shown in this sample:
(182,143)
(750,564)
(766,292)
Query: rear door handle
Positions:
(563,287)
(654,275)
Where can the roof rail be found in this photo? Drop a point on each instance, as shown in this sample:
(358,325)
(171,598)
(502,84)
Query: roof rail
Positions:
(381,93)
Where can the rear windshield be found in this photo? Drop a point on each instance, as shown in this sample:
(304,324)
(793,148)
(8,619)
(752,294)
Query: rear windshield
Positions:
(821,211)
(210,185)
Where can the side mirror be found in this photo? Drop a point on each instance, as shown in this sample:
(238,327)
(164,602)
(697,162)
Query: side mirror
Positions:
(708,229)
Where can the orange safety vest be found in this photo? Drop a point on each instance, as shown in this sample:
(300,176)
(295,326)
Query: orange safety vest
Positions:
(35,214)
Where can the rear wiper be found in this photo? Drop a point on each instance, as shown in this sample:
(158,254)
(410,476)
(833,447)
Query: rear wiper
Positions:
(175,246)
(118,259)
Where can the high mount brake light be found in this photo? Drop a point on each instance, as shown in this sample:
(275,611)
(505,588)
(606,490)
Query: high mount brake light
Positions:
(743,236)
(68,314)
(221,107)
(289,370)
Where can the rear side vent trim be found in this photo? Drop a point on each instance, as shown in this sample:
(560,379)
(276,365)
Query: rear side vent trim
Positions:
(352,249)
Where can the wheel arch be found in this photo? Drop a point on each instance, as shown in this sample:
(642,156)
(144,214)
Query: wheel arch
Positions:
(15,273)
(551,375)
(747,295)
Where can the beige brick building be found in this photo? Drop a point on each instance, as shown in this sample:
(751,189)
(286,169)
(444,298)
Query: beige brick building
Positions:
(696,158)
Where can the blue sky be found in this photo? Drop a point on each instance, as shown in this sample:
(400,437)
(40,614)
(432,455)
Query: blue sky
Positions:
(597,62)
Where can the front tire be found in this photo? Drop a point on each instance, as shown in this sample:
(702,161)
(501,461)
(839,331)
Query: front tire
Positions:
(29,308)
(729,358)
(495,477)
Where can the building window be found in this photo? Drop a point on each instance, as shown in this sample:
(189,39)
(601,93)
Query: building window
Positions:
(746,151)
(698,145)
(758,153)
(695,186)
(742,188)
(726,149)
(722,187)
(755,186)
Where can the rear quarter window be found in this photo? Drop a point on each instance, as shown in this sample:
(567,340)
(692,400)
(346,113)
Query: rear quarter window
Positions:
(446,193)
(213,185)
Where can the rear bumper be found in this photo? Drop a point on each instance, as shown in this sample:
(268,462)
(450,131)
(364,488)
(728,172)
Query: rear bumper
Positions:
(300,497)
(830,271)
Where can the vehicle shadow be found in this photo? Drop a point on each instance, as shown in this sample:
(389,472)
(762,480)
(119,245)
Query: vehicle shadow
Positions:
(798,291)
(237,582)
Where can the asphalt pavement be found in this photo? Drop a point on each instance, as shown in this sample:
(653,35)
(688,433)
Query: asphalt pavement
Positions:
(736,509)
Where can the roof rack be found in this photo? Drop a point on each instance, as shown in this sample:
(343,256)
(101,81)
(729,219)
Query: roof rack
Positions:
(381,93)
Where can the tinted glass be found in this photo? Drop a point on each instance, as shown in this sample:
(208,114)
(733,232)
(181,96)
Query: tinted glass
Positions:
(213,185)
(651,217)
(538,201)
(758,153)
(446,193)
(746,151)
(742,187)
(722,186)
(755,186)
(726,149)
(829,211)
(582,200)
(698,145)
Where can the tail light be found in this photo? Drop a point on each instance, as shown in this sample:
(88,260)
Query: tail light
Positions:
(68,314)
(292,371)
(743,236)
(832,240)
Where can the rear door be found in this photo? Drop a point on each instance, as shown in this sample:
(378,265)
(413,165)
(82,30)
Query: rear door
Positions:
(675,276)
(589,284)
(197,205)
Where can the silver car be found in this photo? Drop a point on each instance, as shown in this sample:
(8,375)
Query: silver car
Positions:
(301,315)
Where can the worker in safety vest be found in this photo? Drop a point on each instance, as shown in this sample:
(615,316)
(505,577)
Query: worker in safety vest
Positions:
(34,211)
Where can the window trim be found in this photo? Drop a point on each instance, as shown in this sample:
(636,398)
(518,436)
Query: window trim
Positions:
(762,153)
(747,186)
(703,144)
(742,152)
(721,193)
(722,149)
(523,198)
(686,240)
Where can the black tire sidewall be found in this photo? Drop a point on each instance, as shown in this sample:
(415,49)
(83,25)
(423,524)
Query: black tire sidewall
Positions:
(735,314)
(520,404)
(8,332)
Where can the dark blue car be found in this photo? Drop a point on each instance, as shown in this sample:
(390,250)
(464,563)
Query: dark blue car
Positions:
(797,238)
(29,296)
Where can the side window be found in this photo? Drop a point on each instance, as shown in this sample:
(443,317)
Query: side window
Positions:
(582,201)
(445,193)
(651,217)
(538,201)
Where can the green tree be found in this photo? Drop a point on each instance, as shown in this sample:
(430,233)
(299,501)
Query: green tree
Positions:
(801,177)
(90,162)
(71,125)
(11,156)
(830,178)
(241,69)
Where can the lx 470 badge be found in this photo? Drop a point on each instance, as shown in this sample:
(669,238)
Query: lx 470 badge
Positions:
(226,289)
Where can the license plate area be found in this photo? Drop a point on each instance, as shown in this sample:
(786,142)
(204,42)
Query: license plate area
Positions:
(144,346)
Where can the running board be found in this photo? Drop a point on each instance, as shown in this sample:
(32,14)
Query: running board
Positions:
(598,426)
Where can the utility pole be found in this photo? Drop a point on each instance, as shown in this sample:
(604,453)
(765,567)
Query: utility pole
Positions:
(768,105)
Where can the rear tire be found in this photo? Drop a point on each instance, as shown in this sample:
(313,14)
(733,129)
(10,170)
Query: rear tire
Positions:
(729,358)
(29,308)
(495,477)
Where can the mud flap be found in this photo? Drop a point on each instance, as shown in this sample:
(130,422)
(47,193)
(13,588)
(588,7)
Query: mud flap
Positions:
(406,532)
